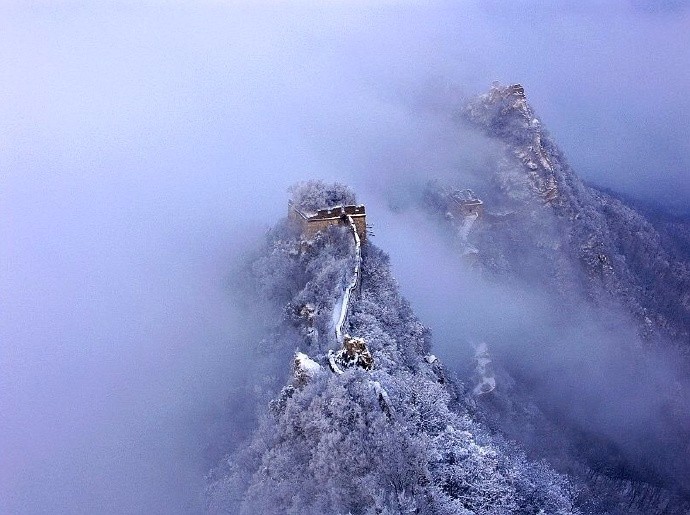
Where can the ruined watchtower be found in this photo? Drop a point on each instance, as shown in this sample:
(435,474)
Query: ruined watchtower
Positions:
(465,203)
(311,223)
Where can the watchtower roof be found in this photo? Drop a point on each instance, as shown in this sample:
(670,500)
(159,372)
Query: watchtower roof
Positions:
(328,213)
(313,222)
(465,197)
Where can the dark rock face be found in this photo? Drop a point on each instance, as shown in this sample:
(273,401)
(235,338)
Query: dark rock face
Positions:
(353,354)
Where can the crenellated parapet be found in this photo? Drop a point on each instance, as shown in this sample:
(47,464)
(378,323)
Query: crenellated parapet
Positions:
(312,223)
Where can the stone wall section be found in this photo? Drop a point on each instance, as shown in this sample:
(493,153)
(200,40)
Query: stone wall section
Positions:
(324,218)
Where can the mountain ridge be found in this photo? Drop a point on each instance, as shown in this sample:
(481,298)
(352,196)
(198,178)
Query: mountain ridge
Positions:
(396,439)
(615,244)
(399,432)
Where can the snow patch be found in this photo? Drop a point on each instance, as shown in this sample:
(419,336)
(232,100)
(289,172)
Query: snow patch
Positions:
(344,304)
(305,368)
(486,382)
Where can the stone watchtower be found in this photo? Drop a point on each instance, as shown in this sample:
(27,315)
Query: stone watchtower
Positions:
(465,203)
(311,223)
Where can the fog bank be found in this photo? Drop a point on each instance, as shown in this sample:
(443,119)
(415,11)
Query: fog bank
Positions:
(144,146)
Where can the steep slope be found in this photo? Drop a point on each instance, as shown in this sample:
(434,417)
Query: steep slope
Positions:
(398,438)
(605,269)
(619,253)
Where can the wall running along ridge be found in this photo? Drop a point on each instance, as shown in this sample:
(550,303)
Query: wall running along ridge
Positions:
(349,291)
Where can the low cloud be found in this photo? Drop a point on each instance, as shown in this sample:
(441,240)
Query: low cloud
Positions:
(146,146)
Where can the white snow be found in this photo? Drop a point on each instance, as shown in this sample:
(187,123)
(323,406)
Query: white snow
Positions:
(337,313)
(464,232)
(307,365)
(466,226)
(486,381)
(344,304)
(332,363)
(383,395)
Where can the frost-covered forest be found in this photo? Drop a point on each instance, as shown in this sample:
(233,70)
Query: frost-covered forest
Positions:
(619,281)
(522,432)
(400,438)
(344,257)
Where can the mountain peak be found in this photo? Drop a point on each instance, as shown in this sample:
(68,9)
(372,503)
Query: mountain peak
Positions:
(504,111)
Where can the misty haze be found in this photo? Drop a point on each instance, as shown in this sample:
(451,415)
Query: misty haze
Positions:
(345,257)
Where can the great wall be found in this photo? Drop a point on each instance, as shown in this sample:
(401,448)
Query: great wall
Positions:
(353,351)
(311,223)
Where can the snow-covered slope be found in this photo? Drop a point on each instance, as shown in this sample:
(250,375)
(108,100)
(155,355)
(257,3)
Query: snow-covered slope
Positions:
(398,438)
(374,423)
(595,239)
(589,252)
